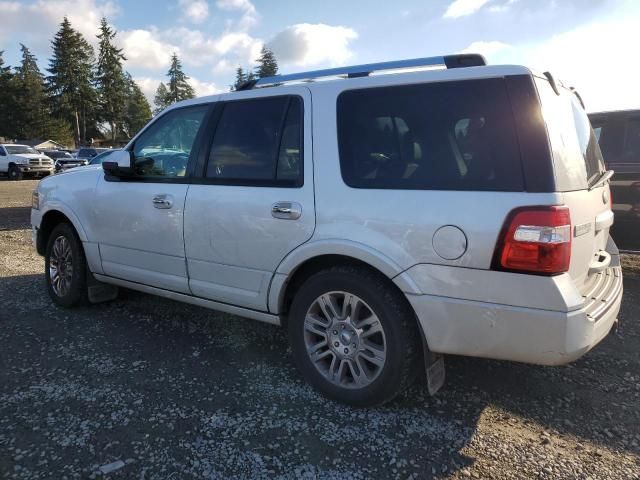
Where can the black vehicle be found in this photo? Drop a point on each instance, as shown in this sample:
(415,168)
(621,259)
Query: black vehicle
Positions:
(618,134)
(63,160)
(88,153)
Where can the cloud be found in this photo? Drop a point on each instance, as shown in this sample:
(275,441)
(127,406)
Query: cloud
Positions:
(488,49)
(249,14)
(307,44)
(35,23)
(144,48)
(591,59)
(195,11)
(204,88)
(462,8)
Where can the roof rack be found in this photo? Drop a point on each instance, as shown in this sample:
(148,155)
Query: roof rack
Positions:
(448,61)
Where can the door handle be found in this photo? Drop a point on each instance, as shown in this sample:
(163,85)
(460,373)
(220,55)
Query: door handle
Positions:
(286,210)
(163,201)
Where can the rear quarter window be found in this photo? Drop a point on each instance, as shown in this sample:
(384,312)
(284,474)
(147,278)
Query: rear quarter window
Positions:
(455,135)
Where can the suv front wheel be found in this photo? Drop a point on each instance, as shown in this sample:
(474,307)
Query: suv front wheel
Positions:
(353,336)
(65,267)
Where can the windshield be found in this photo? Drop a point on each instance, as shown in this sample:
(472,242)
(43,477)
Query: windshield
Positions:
(98,159)
(18,149)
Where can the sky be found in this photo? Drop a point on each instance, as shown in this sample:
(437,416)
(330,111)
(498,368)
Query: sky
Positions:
(588,44)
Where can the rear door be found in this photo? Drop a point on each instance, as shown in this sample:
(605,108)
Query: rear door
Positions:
(252,201)
(578,165)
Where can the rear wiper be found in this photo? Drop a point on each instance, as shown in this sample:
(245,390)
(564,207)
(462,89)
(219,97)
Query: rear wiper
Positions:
(600,179)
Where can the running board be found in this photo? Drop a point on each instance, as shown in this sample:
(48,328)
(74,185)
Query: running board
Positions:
(200,302)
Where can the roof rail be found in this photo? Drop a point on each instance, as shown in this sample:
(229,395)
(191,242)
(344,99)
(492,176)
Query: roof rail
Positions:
(448,61)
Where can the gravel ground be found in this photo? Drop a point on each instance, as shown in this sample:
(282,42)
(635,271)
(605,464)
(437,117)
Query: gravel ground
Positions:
(153,389)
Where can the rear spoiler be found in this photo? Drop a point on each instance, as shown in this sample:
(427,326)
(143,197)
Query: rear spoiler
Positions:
(554,85)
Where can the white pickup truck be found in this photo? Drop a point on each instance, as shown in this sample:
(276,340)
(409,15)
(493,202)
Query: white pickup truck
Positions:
(16,161)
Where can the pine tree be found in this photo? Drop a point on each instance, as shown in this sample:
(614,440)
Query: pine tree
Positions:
(241,78)
(267,64)
(138,110)
(178,87)
(161,100)
(7,105)
(73,97)
(32,119)
(110,81)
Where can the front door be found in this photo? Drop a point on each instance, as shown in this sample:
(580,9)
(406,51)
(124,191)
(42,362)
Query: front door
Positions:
(139,220)
(253,202)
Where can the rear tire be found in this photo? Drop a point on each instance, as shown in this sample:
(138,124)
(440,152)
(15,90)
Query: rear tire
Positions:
(14,173)
(354,337)
(65,267)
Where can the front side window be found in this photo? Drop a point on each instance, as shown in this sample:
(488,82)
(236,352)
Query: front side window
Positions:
(163,149)
(441,136)
(258,141)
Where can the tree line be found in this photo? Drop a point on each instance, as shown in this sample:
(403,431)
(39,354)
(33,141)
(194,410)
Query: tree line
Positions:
(82,96)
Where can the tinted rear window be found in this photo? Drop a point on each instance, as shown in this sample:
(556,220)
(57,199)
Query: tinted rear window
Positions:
(576,154)
(441,136)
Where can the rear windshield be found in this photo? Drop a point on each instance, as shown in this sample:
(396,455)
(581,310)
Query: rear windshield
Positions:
(576,154)
(441,136)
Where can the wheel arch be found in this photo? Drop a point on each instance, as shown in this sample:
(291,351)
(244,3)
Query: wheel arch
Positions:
(313,257)
(50,219)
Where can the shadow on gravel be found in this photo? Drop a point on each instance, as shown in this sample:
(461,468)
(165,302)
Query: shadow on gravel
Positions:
(15,218)
(168,387)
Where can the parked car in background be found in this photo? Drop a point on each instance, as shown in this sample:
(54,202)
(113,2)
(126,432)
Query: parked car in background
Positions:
(64,160)
(385,219)
(618,133)
(17,161)
(102,157)
(88,153)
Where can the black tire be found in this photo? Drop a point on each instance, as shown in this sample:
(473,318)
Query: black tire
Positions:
(15,173)
(76,294)
(403,344)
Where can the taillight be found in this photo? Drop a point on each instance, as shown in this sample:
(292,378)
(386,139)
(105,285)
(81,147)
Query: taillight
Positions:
(536,240)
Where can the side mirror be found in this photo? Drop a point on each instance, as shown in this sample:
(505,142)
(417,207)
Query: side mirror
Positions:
(119,164)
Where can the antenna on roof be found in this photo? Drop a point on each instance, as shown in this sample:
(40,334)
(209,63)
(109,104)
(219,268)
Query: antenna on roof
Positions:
(355,71)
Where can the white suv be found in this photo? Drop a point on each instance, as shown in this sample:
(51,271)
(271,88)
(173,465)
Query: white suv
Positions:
(384,219)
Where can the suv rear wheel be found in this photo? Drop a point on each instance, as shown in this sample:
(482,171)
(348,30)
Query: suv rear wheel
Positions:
(353,336)
(65,267)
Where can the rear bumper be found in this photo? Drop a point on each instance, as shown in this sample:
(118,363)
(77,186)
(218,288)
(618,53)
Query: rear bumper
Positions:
(552,334)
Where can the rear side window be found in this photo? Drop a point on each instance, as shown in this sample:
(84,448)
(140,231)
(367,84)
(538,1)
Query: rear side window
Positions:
(576,154)
(442,136)
(258,141)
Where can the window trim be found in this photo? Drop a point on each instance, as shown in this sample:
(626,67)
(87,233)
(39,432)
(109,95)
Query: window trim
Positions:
(200,171)
(193,155)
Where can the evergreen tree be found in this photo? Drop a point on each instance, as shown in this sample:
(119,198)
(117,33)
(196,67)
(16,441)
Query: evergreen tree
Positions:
(28,87)
(111,83)
(73,97)
(138,110)
(7,105)
(267,64)
(32,118)
(241,78)
(161,100)
(178,87)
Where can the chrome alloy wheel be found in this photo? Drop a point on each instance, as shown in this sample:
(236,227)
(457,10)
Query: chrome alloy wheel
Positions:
(61,266)
(345,339)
